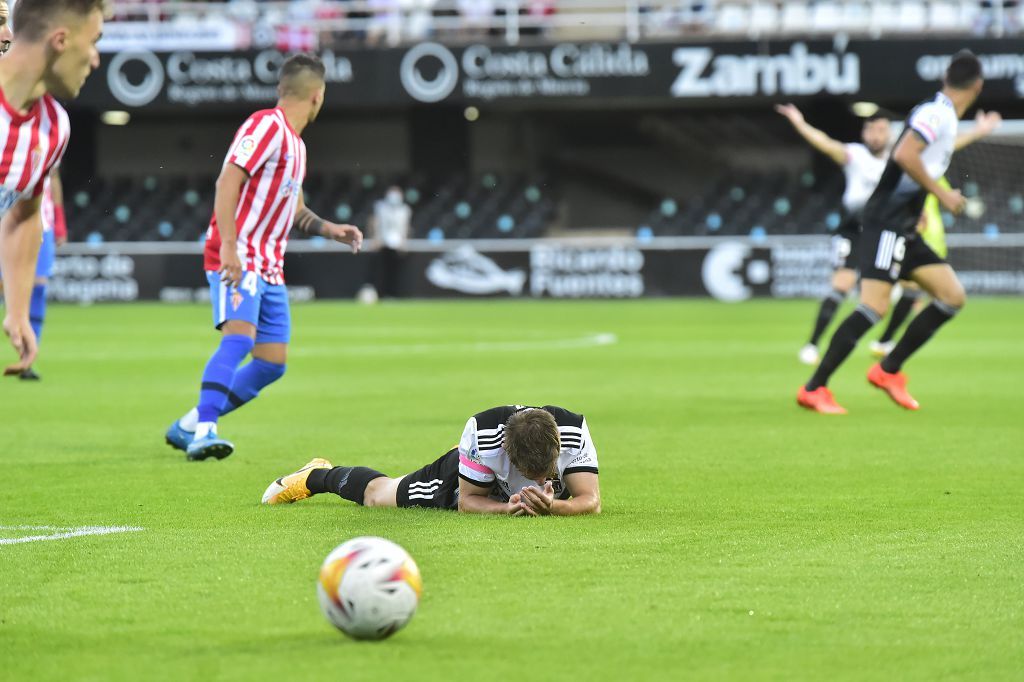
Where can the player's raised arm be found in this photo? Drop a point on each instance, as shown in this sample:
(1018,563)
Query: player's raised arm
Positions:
(21,232)
(908,155)
(831,148)
(985,123)
(310,223)
(225,204)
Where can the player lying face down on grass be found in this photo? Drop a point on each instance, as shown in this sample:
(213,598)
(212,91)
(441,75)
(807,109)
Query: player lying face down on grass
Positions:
(52,52)
(514,460)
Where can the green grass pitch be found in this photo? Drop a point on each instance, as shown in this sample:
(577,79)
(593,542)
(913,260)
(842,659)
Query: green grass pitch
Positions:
(742,538)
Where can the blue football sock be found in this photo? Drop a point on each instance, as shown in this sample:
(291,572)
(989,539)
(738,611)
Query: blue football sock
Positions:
(37,310)
(220,374)
(249,381)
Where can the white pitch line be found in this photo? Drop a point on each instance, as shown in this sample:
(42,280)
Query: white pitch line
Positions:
(65,534)
(589,341)
(340,348)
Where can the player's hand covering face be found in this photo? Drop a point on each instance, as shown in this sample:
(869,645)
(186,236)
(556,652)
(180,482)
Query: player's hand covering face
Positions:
(538,502)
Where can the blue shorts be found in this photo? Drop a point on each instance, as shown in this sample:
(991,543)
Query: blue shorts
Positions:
(47,253)
(263,305)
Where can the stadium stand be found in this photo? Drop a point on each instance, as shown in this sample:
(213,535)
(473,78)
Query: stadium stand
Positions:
(308,24)
(178,208)
(740,173)
(489,205)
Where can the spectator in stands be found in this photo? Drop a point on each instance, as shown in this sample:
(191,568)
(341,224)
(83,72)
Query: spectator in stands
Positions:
(419,23)
(998,17)
(390,225)
(385,24)
(294,38)
(537,12)
(334,14)
(477,17)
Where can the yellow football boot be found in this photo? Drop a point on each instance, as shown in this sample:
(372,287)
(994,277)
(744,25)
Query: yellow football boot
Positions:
(292,488)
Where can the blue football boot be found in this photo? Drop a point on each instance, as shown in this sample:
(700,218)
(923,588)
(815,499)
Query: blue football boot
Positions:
(211,445)
(178,437)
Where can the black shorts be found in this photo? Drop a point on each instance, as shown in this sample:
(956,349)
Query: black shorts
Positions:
(844,243)
(888,256)
(435,486)
(844,250)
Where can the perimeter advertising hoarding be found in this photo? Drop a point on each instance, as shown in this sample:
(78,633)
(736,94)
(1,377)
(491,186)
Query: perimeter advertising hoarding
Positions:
(725,269)
(895,72)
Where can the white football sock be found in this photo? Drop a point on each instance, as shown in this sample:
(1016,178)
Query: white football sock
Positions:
(205,428)
(190,420)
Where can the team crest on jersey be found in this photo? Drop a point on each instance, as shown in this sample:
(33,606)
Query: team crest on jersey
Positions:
(236,299)
(288,187)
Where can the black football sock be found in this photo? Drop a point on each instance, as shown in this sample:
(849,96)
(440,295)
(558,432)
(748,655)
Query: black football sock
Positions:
(842,344)
(347,482)
(918,332)
(829,305)
(900,312)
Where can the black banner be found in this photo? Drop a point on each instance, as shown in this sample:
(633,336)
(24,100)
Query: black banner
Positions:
(725,269)
(894,72)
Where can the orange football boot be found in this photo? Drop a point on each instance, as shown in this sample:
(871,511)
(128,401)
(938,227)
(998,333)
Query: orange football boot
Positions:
(820,400)
(894,384)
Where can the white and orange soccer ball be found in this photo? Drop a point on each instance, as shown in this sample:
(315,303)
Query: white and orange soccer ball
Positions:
(369,588)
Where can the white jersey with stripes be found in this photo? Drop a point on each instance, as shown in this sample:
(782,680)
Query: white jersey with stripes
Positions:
(484,462)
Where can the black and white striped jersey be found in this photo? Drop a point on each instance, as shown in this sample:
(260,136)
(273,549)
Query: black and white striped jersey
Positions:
(483,460)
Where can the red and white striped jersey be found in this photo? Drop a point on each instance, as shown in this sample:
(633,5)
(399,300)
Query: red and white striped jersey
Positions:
(274,156)
(32,144)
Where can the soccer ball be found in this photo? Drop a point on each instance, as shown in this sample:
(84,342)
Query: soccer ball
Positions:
(369,588)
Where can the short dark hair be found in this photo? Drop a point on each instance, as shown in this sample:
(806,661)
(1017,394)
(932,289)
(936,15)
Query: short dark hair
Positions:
(532,442)
(31,18)
(878,116)
(963,71)
(294,68)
